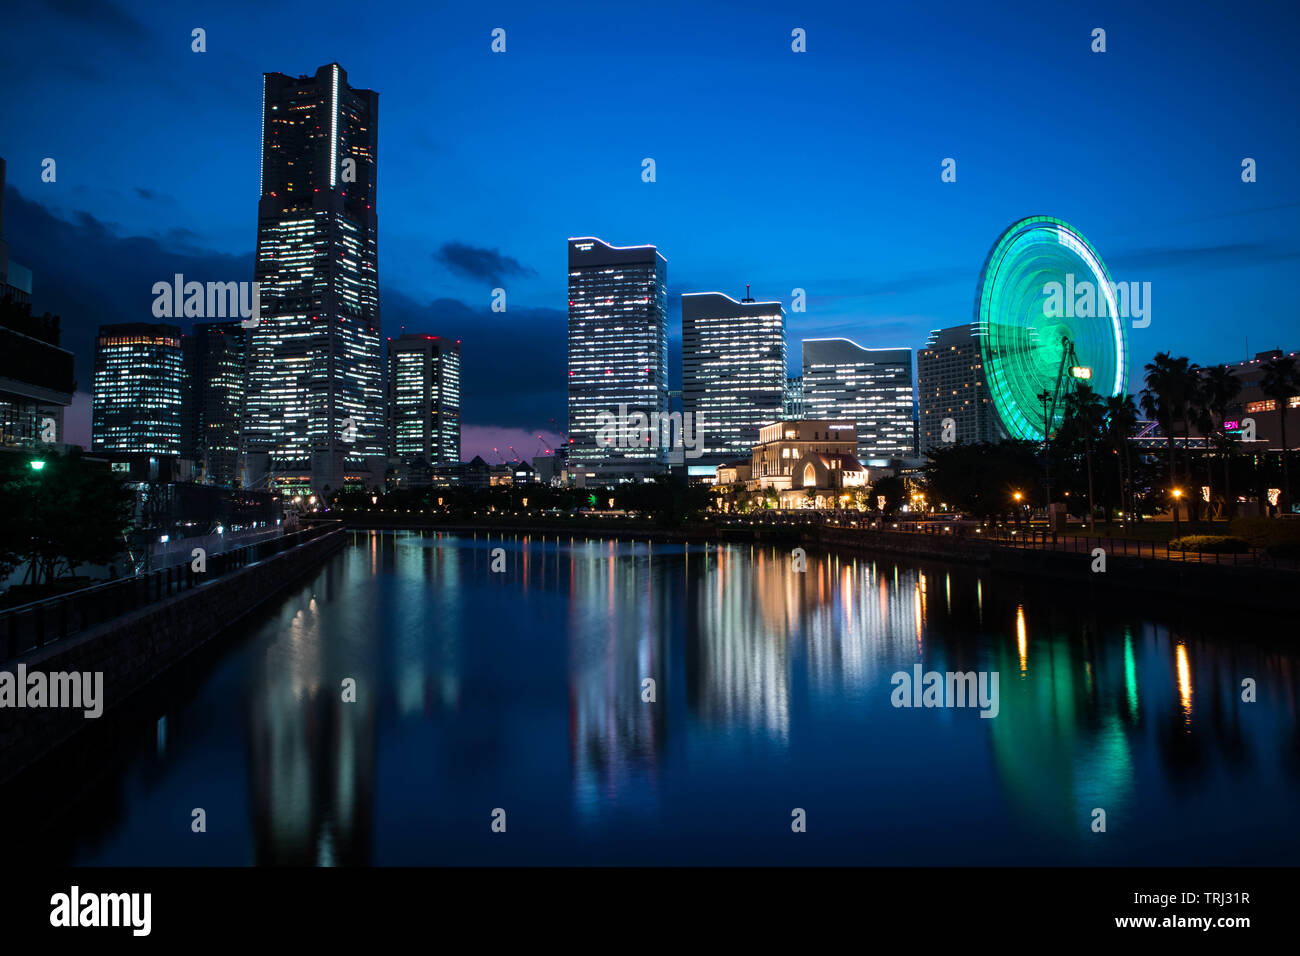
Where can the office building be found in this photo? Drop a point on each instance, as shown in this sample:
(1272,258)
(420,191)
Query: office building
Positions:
(1262,411)
(36,375)
(870,387)
(792,404)
(733,372)
(951,385)
(619,429)
(424,399)
(138,381)
(215,354)
(314,407)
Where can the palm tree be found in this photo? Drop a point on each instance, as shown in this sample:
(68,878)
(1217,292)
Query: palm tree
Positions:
(1165,399)
(1281,382)
(1121,423)
(1219,388)
(1085,409)
(1193,414)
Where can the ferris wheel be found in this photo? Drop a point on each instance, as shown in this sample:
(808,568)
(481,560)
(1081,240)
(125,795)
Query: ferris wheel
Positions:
(1047,318)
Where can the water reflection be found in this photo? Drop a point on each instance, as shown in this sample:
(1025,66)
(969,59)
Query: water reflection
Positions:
(531,688)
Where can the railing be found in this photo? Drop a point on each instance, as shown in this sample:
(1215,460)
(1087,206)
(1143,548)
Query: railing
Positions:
(34,625)
(1023,537)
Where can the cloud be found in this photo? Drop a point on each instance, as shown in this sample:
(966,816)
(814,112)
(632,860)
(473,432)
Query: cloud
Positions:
(87,272)
(153,195)
(475,263)
(102,15)
(84,270)
(1200,258)
(513,363)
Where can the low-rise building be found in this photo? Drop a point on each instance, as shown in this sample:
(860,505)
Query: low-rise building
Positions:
(783,444)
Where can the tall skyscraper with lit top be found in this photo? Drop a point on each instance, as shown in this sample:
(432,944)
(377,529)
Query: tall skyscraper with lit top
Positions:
(314,412)
(618,357)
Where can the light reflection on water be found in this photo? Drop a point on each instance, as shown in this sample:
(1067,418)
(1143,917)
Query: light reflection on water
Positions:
(524,690)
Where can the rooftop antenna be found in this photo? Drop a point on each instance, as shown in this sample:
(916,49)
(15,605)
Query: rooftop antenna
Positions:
(746,298)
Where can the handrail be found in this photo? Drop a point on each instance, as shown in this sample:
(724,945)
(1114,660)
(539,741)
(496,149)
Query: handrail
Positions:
(41,622)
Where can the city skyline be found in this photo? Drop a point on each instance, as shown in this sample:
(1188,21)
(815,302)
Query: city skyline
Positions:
(1216,249)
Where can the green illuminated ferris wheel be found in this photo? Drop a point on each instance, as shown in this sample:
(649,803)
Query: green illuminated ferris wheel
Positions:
(1046,317)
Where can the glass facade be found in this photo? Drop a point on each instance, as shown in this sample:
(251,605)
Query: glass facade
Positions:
(314,407)
(138,382)
(215,357)
(424,399)
(870,387)
(733,371)
(618,356)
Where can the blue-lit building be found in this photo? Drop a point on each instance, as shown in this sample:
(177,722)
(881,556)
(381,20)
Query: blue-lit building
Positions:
(314,407)
(618,361)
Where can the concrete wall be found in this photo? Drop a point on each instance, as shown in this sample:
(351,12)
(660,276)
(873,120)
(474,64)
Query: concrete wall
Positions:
(136,648)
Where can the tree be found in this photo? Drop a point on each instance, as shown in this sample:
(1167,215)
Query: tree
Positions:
(1281,382)
(893,490)
(69,513)
(1219,388)
(1165,399)
(1121,423)
(1084,414)
(980,478)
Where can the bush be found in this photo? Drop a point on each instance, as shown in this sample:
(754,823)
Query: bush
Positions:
(1289,550)
(1210,544)
(1265,532)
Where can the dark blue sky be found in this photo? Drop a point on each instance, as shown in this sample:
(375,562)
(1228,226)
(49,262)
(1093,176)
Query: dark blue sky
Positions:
(818,170)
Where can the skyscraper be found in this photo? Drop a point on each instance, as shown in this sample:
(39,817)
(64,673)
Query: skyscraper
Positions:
(733,371)
(215,355)
(424,399)
(137,399)
(951,384)
(315,405)
(618,359)
(871,387)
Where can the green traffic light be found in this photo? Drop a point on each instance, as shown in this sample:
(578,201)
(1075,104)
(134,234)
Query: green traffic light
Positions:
(36,464)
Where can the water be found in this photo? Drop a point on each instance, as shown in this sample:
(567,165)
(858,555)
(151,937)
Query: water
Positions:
(523,691)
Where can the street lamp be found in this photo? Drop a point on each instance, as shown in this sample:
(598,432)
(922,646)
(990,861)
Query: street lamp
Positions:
(1177,493)
(1017,496)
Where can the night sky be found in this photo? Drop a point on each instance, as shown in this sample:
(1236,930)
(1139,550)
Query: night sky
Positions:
(818,170)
